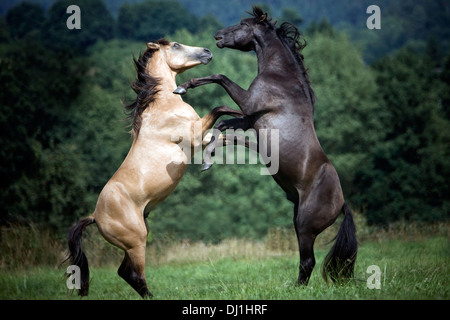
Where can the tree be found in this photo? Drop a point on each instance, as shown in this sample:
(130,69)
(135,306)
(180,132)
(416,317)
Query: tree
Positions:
(24,19)
(151,20)
(103,136)
(96,24)
(291,15)
(445,93)
(42,177)
(407,175)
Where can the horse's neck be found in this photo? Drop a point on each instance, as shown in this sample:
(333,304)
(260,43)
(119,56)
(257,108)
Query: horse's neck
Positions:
(159,69)
(274,57)
(166,81)
(270,57)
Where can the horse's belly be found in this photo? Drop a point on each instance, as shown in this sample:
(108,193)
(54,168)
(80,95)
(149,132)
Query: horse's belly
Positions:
(159,185)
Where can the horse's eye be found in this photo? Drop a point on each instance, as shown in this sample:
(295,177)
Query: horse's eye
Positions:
(176,45)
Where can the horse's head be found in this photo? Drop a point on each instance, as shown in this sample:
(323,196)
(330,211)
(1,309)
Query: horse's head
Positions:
(242,36)
(180,57)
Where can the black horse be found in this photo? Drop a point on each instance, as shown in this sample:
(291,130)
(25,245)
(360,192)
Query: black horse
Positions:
(280,97)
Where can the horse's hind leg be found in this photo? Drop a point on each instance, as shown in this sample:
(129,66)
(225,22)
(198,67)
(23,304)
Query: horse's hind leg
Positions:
(307,260)
(129,233)
(306,249)
(132,270)
(317,212)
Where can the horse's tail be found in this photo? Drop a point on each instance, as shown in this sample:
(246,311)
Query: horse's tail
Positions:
(76,255)
(340,261)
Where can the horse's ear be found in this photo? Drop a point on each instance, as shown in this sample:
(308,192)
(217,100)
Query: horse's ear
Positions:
(153,46)
(262,18)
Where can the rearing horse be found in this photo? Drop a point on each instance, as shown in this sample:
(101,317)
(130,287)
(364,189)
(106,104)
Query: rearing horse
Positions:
(155,163)
(281,98)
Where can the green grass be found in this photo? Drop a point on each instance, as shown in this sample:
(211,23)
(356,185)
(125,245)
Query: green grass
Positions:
(411,269)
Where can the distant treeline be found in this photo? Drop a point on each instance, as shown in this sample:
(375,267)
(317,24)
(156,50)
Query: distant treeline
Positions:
(385,125)
(407,22)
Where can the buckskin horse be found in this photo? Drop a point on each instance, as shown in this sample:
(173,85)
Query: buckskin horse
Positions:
(281,98)
(155,162)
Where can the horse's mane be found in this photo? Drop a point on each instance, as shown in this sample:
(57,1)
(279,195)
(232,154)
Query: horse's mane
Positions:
(145,87)
(293,39)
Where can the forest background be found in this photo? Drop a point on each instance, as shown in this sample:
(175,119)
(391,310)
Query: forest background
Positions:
(382,112)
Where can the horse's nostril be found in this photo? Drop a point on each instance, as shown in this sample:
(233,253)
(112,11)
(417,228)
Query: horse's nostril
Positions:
(207,50)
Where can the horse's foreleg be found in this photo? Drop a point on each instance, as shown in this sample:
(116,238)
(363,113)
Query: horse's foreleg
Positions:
(236,123)
(209,119)
(236,93)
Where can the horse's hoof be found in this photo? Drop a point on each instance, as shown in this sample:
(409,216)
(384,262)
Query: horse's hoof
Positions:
(206,166)
(180,90)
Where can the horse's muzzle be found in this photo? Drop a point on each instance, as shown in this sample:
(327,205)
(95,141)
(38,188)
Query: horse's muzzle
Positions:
(206,56)
(219,38)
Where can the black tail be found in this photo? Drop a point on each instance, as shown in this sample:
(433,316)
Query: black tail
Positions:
(76,255)
(340,261)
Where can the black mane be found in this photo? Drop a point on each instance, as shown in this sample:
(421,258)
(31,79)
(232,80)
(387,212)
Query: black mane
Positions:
(292,38)
(145,87)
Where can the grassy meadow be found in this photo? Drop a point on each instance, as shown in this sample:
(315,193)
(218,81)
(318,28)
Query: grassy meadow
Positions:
(414,262)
